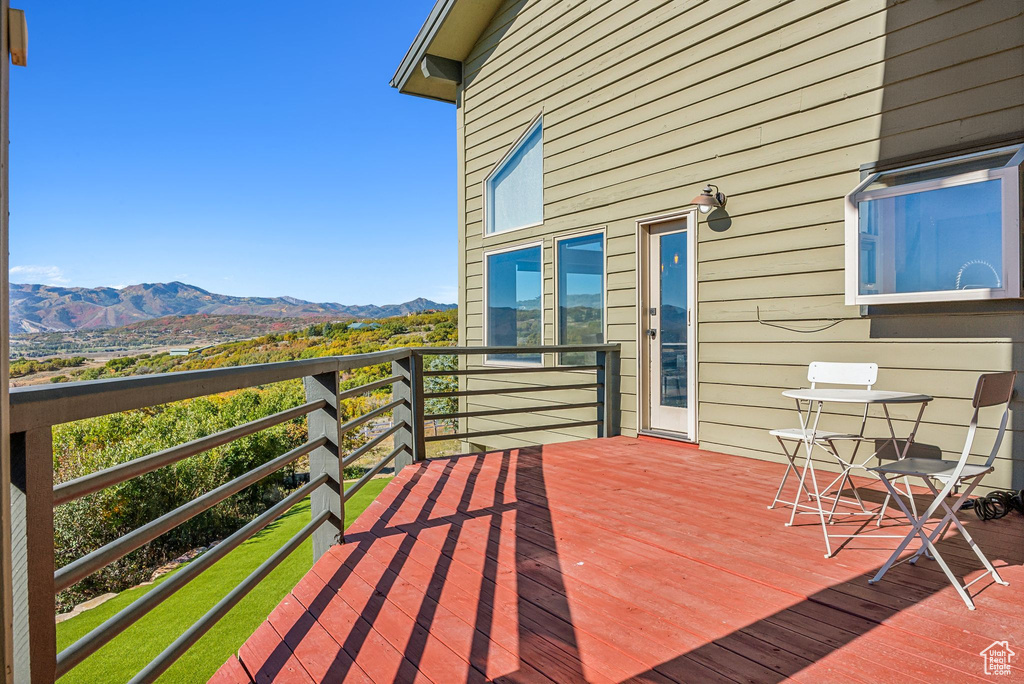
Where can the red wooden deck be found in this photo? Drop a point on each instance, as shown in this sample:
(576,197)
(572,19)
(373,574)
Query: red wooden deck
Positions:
(624,559)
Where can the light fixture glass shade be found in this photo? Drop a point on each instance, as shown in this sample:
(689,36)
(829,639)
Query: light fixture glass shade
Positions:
(709,199)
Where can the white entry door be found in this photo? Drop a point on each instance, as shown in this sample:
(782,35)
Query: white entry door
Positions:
(667,330)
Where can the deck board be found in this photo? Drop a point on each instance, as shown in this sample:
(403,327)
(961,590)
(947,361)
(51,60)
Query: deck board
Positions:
(624,560)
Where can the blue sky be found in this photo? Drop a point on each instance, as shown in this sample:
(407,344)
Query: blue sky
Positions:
(249,148)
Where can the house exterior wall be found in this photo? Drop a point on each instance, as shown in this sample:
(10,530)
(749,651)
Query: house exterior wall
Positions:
(780,103)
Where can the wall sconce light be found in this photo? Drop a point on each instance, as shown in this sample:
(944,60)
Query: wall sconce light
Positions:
(709,200)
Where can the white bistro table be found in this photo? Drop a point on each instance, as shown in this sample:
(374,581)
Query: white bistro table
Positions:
(815,399)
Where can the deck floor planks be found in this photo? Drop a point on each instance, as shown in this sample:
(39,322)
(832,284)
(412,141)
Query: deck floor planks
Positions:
(319,654)
(899,660)
(605,560)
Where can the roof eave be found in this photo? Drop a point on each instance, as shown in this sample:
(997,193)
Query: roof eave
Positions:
(418,50)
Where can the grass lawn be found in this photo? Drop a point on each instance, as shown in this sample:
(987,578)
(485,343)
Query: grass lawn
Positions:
(130,651)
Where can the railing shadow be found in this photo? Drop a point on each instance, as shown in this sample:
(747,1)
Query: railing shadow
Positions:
(509,491)
(550,636)
(275,662)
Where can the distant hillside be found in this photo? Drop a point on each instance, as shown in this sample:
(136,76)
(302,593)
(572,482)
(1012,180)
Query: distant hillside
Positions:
(209,324)
(43,308)
(167,331)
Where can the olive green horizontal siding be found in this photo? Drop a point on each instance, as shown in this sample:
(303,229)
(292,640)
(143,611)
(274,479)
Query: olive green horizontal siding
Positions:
(779,102)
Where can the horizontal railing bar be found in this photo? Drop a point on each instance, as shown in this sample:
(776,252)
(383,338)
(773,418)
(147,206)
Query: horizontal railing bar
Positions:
(78,570)
(511,390)
(368,475)
(504,371)
(509,431)
(127,616)
(368,387)
(498,412)
(159,665)
(369,415)
(42,405)
(538,349)
(353,361)
(361,451)
(45,405)
(101,479)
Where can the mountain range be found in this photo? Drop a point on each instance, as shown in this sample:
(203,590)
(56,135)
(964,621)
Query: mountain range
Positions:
(43,308)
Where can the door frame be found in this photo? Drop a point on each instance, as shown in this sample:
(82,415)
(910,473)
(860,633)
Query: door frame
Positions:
(643,227)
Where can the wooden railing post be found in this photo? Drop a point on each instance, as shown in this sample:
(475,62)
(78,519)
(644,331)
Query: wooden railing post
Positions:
(608,393)
(324,422)
(35,630)
(409,389)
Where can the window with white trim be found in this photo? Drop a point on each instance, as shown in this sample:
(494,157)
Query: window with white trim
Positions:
(580,294)
(514,190)
(513,313)
(943,231)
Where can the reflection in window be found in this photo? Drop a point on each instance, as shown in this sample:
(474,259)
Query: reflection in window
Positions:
(514,193)
(581,295)
(939,231)
(513,306)
(672,316)
(938,240)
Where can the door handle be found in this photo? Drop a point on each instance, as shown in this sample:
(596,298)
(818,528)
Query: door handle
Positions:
(652,333)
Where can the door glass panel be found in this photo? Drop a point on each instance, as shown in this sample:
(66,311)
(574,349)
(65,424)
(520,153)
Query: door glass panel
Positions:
(672,318)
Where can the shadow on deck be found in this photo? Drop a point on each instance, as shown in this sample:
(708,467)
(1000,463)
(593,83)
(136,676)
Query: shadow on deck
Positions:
(622,559)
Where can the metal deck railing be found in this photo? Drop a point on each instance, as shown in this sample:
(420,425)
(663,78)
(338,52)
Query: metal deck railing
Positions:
(35,410)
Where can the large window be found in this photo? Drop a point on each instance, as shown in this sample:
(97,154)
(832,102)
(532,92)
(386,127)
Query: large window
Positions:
(942,231)
(514,190)
(580,265)
(512,301)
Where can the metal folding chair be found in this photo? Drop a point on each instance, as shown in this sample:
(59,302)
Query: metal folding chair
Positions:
(994,389)
(828,373)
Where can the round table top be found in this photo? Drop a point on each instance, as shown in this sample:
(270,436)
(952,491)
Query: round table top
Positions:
(857,396)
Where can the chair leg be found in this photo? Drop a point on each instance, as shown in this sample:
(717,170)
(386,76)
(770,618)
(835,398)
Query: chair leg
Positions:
(928,540)
(906,540)
(942,529)
(843,479)
(790,467)
(951,519)
(856,494)
(949,573)
(910,495)
(821,513)
(888,496)
(801,487)
(902,453)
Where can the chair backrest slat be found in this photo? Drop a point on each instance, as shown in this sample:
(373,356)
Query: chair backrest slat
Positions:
(994,389)
(834,373)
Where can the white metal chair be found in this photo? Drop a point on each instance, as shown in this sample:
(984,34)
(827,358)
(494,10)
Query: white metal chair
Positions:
(993,389)
(828,373)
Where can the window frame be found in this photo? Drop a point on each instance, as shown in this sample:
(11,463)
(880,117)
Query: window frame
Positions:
(1008,174)
(603,232)
(538,121)
(487,360)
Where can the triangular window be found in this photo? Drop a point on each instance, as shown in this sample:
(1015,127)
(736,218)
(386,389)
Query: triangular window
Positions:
(514,190)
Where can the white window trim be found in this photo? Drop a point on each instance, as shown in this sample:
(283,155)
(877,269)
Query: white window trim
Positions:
(537,121)
(487,360)
(1009,173)
(603,232)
